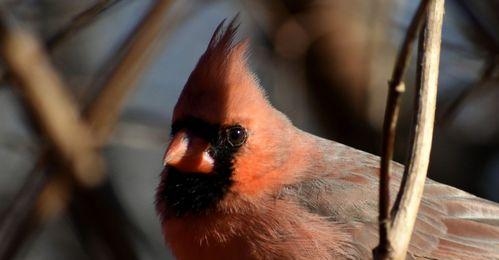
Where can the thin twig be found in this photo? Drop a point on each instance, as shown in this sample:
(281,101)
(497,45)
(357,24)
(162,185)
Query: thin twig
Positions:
(395,88)
(102,115)
(452,110)
(46,94)
(411,190)
(486,38)
(14,214)
(80,21)
(87,209)
(55,195)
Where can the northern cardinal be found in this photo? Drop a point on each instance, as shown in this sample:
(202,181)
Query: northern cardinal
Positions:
(241,182)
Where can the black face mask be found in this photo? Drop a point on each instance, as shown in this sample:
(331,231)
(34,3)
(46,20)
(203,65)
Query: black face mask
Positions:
(183,193)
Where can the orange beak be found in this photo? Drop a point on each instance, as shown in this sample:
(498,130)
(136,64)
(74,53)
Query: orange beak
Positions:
(188,154)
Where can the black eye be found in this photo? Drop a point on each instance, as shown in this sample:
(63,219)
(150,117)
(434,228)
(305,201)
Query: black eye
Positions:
(236,135)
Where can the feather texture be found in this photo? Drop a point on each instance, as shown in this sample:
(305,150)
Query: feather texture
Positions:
(451,223)
(292,195)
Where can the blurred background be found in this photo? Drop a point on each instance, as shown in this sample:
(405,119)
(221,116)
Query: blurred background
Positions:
(324,63)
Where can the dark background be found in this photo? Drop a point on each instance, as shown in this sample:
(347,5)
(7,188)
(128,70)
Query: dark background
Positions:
(325,64)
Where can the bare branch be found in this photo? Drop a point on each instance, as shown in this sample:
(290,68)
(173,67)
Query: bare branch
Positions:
(53,108)
(102,115)
(412,187)
(16,224)
(56,194)
(395,88)
(80,21)
(77,23)
(484,36)
(452,110)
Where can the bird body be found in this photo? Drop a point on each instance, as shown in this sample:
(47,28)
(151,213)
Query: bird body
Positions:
(241,182)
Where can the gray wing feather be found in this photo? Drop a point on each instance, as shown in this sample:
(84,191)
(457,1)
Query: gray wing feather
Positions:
(451,224)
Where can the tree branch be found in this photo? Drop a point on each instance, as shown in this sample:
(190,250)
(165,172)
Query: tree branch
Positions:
(54,110)
(11,232)
(396,87)
(103,113)
(79,21)
(409,197)
(487,74)
(56,193)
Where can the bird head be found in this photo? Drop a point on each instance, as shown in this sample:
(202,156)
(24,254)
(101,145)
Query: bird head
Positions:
(226,138)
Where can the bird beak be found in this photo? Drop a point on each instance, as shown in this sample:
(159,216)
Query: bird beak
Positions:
(188,153)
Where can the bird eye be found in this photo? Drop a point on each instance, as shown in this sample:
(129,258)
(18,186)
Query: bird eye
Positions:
(236,135)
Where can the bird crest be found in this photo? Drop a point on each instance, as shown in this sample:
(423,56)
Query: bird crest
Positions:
(221,86)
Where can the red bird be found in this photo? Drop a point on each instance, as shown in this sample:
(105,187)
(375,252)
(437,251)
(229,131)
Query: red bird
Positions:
(241,182)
